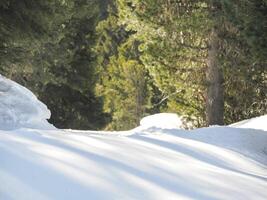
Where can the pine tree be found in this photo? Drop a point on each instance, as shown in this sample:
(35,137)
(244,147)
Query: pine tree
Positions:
(24,25)
(70,69)
(173,45)
(245,50)
(55,59)
(183,40)
(124,83)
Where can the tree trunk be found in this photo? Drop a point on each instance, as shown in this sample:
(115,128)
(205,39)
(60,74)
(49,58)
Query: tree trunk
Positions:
(215,90)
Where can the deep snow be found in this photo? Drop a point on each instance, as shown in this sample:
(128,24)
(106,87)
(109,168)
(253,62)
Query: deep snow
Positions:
(157,160)
(211,163)
(20,108)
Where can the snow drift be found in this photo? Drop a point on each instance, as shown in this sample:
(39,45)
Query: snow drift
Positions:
(20,108)
(155,161)
(254,123)
(208,163)
(162,120)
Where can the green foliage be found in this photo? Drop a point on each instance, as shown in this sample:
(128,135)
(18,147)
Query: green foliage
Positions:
(174,38)
(124,91)
(245,50)
(70,61)
(59,62)
(108,63)
(123,80)
(24,24)
(173,45)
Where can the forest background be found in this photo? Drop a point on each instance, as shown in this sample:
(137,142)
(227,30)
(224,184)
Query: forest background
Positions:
(105,64)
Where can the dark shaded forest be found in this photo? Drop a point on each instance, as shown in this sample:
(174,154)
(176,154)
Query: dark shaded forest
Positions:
(105,64)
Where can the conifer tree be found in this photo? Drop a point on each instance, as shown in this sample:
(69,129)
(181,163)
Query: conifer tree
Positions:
(183,40)
(24,24)
(173,46)
(70,64)
(122,77)
(54,39)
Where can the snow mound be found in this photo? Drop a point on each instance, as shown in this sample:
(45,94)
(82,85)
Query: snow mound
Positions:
(162,120)
(20,108)
(254,123)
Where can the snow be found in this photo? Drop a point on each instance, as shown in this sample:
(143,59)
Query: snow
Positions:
(255,123)
(162,120)
(20,108)
(155,161)
(208,163)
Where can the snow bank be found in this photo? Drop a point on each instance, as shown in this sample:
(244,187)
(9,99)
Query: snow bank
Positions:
(162,120)
(153,164)
(156,161)
(20,108)
(254,123)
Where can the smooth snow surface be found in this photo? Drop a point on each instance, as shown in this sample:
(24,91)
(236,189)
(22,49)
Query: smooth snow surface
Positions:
(255,123)
(155,163)
(162,120)
(20,108)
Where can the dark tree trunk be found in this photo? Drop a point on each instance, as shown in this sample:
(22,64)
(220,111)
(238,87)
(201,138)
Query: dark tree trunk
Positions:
(215,90)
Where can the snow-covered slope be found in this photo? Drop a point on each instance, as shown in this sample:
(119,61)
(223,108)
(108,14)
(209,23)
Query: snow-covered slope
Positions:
(210,163)
(157,160)
(255,123)
(20,108)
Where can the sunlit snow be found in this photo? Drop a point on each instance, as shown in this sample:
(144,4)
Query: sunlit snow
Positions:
(255,123)
(162,120)
(20,108)
(157,161)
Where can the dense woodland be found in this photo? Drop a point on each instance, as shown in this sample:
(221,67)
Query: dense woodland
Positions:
(104,64)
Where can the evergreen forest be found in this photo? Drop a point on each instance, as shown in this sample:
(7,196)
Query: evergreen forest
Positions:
(105,64)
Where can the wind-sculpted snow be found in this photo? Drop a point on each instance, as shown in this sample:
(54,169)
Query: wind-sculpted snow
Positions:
(20,108)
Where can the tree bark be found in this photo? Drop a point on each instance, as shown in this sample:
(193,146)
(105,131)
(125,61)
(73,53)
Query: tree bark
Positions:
(215,89)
